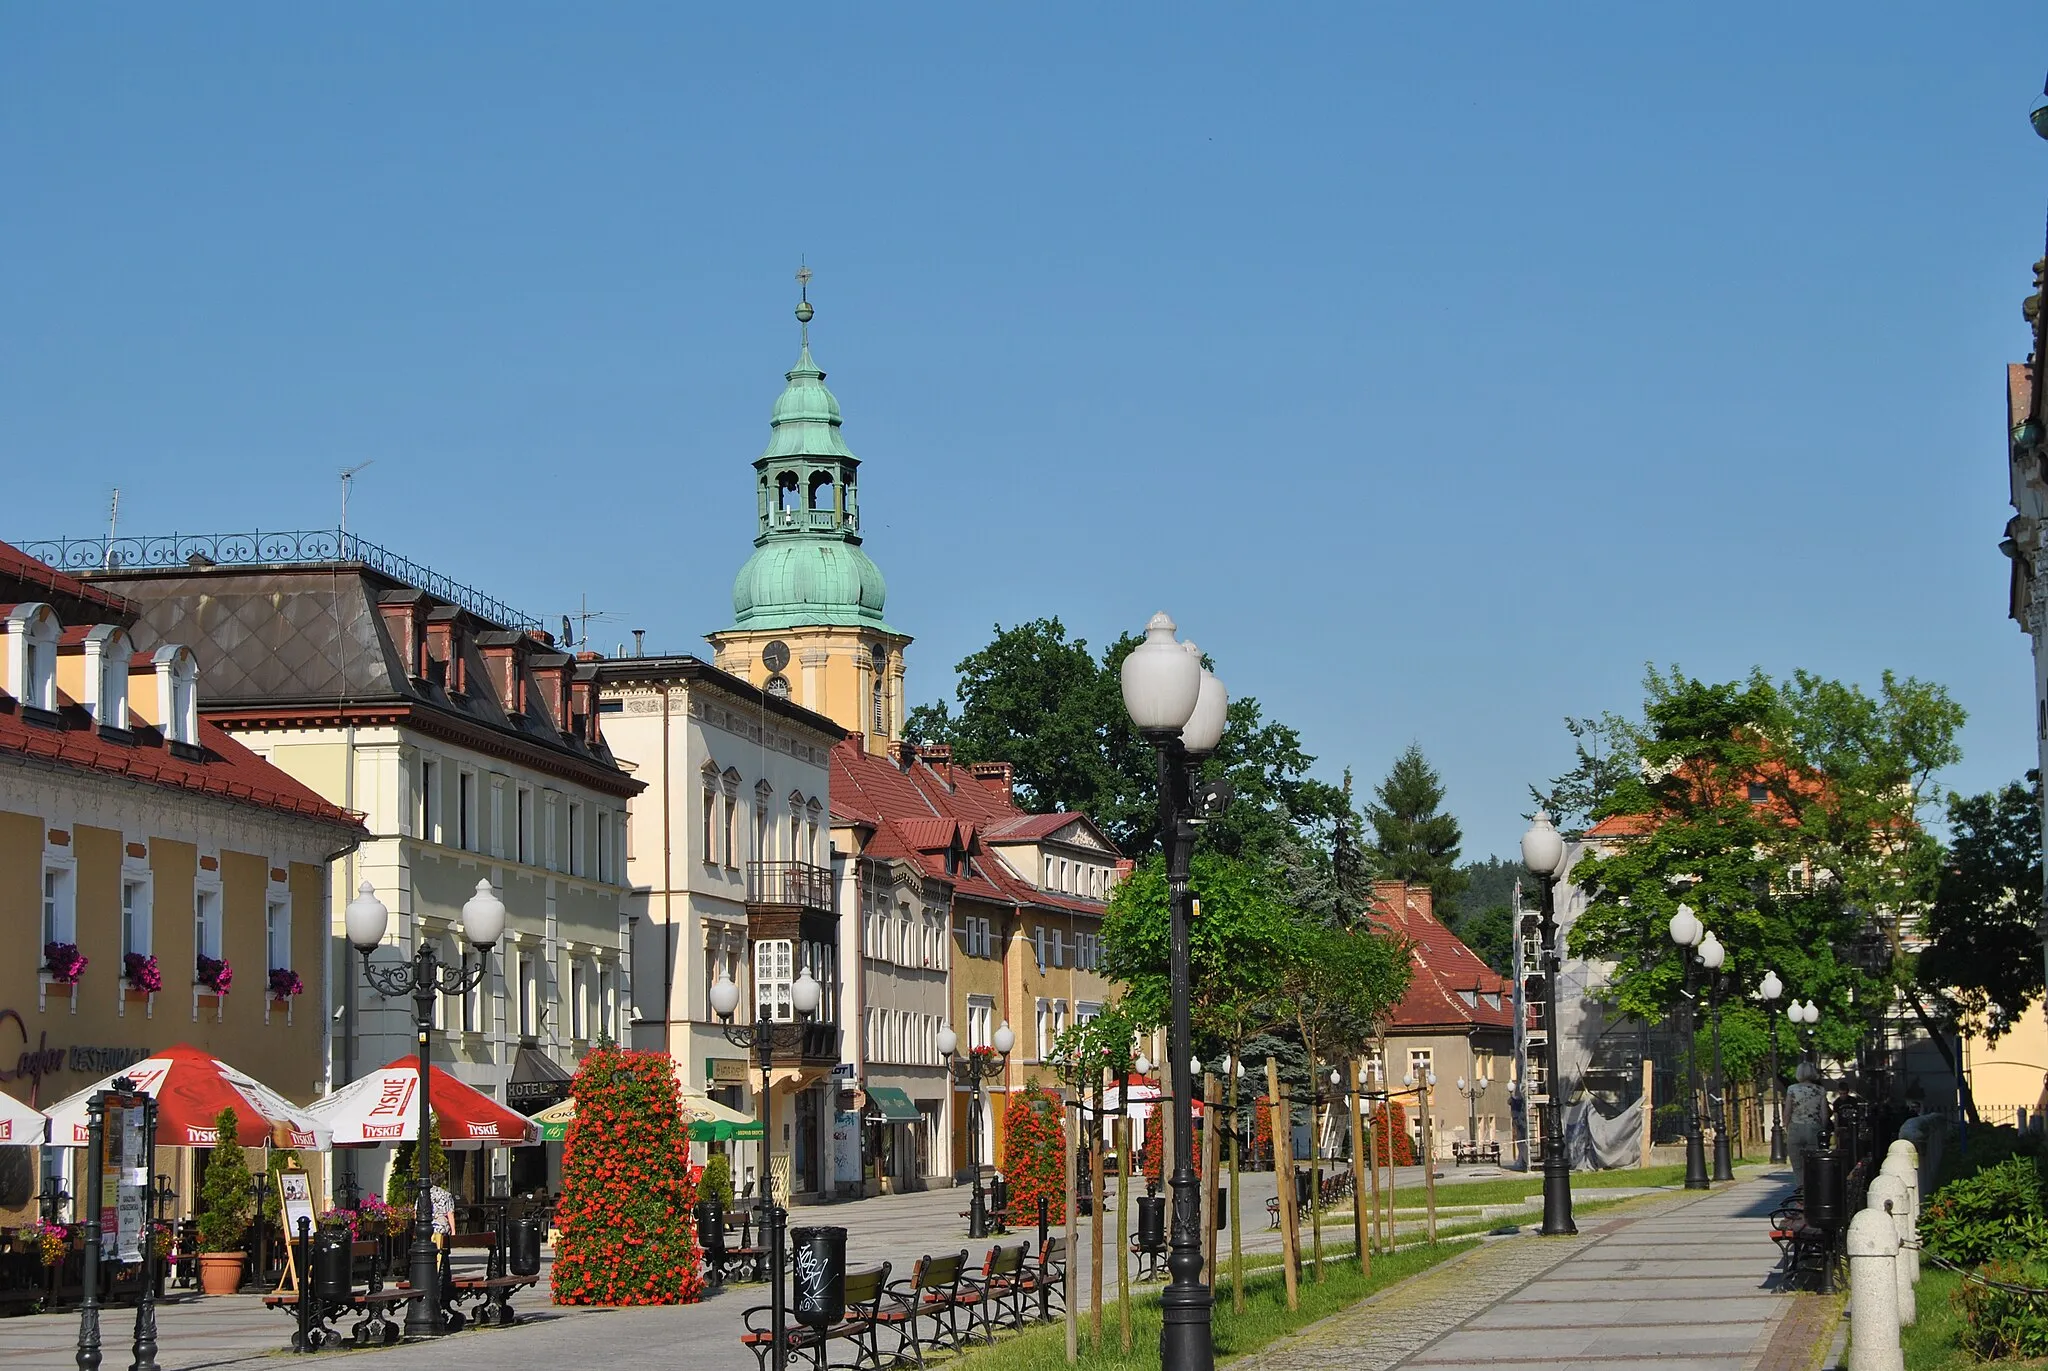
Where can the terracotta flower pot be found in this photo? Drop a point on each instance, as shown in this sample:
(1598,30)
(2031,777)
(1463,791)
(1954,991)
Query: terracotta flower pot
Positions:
(220,1273)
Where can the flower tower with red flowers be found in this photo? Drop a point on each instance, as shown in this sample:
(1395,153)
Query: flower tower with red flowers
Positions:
(627,1187)
(1034,1156)
(1152,1152)
(1393,1131)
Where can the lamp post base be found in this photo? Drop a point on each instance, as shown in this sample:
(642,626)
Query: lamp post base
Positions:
(1695,1161)
(1778,1152)
(1557,1198)
(1186,1342)
(1724,1170)
(423,1315)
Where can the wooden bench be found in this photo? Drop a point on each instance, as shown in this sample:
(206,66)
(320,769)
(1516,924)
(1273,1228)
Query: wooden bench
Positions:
(929,1294)
(373,1303)
(1047,1280)
(1462,1152)
(491,1292)
(864,1294)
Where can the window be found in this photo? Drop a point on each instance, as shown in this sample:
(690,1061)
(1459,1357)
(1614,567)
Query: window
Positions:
(60,923)
(605,1007)
(32,633)
(980,1010)
(579,994)
(495,823)
(1419,1059)
(1042,1025)
(551,833)
(604,845)
(1059,947)
(1048,873)
(773,962)
(1375,1067)
(206,923)
(732,831)
(429,809)
(710,825)
(524,823)
(1039,946)
(277,935)
(529,994)
(762,795)
(1759,793)
(134,918)
(575,839)
(465,811)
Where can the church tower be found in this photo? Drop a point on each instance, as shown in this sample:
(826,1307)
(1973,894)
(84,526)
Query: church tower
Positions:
(807,606)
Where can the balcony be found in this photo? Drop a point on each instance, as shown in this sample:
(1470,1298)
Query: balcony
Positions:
(790,900)
(816,1048)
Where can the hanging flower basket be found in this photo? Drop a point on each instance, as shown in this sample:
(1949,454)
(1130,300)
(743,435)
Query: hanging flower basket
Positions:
(214,973)
(142,973)
(50,1239)
(285,982)
(64,962)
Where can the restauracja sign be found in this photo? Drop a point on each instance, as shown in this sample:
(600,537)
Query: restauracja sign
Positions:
(42,1060)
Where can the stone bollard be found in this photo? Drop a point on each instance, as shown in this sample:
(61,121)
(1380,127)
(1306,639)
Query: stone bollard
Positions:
(1888,1193)
(1926,1133)
(1874,1293)
(1909,1177)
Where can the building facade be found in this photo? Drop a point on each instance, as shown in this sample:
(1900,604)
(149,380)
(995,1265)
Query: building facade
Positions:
(731,868)
(472,746)
(189,875)
(1456,1019)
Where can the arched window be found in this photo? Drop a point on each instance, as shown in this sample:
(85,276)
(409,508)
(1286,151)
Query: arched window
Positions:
(788,499)
(878,659)
(107,650)
(32,633)
(821,490)
(177,684)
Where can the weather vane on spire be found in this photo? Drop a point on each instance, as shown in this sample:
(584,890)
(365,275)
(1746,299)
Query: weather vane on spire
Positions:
(803,307)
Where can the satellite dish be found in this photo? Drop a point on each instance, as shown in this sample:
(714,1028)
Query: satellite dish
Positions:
(568,635)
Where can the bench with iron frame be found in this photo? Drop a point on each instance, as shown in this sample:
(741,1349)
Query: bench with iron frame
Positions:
(865,1291)
(1462,1152)
(1046,1279)
(492,1291)
(372,1302)
(930,1292)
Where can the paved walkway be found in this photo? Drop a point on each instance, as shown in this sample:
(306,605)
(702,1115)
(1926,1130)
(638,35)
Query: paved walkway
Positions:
(1682,1283)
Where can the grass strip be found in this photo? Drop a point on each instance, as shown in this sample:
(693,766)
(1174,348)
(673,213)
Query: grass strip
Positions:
(1266,1317)
(1931,1341)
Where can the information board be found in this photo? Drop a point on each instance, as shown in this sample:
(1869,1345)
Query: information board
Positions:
(295,1202)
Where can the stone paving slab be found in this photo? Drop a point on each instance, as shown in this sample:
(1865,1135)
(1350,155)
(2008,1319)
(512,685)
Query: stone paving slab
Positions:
(1521,1313)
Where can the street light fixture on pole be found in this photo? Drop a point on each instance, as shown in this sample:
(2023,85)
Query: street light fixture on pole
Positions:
(1472,1090)
(424,978)
(764,1035)
(1180,709)
(1690,934)
(1714,956)
(974,1067)
(1543,854)
(1768,991)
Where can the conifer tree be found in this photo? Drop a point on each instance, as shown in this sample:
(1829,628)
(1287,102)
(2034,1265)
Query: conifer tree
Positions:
(1414,840)
(224,1198)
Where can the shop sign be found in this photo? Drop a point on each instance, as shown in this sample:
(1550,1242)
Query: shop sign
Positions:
(34,1063)
(725,1070)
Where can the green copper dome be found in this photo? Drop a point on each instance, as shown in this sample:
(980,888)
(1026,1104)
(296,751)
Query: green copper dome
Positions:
(790,583)
(806,418)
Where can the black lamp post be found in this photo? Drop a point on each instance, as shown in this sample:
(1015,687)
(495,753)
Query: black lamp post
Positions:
(1724,1169)
(764,1035)
(973,1067)
(1698,948)
(1768,990)
(1543,854)
(424,978)
(1180,709)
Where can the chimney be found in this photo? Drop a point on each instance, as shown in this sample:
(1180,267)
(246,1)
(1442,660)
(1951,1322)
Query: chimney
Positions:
(999,777)
(639,642)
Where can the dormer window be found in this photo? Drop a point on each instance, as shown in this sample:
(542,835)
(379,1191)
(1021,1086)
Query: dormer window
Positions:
(32,633)
(177,694)
(107,650)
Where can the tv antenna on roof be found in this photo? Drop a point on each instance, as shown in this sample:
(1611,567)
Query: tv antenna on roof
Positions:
(348,476)
(581,621)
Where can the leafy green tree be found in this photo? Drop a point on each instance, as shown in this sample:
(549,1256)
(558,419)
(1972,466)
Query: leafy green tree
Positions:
(224,1198)
(1981,968)
(1414,840)
(1605,755)
(1237,945)
(1047,705)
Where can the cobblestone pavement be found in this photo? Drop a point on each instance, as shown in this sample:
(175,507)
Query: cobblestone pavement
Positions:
(1683,1282)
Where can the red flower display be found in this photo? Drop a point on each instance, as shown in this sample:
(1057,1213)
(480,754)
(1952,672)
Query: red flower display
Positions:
(1034,1156)
(627,1187)
(1152,1155)
(1395,1131)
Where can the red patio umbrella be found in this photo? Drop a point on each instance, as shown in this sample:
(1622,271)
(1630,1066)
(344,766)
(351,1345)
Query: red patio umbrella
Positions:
(191,1088)
(383,1107)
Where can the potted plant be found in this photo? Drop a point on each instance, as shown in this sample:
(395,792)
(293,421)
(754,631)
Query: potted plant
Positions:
(285,983)
(223,1211)
(214,973)
(64,962)
(141,972)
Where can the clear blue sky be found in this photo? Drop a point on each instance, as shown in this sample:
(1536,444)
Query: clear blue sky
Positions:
(1436,366)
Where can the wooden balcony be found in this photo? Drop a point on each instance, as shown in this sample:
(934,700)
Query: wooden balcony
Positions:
(790,900)
(816,1048)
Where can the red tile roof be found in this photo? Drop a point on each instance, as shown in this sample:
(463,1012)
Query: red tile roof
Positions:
(32,575)
(226,771)
(918,812)
(1445,970)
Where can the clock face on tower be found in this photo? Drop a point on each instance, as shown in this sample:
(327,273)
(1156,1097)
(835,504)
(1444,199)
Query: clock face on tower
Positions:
(775,656)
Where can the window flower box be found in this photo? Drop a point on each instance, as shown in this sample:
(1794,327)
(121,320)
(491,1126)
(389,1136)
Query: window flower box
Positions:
(214,974)
(285,983)
(64,962)
(141,972)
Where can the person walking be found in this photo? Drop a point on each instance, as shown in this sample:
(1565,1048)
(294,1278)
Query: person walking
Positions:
(1806,1118)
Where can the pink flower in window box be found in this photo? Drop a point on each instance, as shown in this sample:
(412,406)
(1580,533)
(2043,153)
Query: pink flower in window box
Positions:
(214,973)
(141,971)
(285,982)
(64,962)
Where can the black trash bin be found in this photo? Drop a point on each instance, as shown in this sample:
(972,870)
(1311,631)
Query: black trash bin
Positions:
(818,1260)
(1303,1195)
(1823,1191)
(710,1215)
(1151,1223)
(331,1263)
(525,1248)
(999,1202)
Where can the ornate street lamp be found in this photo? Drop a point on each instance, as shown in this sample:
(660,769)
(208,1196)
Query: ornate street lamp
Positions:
(1471,1090)
(1768,991)
(483,923)
(1180,709)
(1714,956)
(1690,934)
(1543,854)
(764,1035)
(973,1067)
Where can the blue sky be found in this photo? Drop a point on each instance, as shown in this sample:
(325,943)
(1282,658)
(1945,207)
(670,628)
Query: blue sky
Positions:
(1436,366)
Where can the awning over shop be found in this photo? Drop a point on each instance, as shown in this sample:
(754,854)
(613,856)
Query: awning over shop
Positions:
(537,1081)
(710,1121)
(554,1121)
(890,1105)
